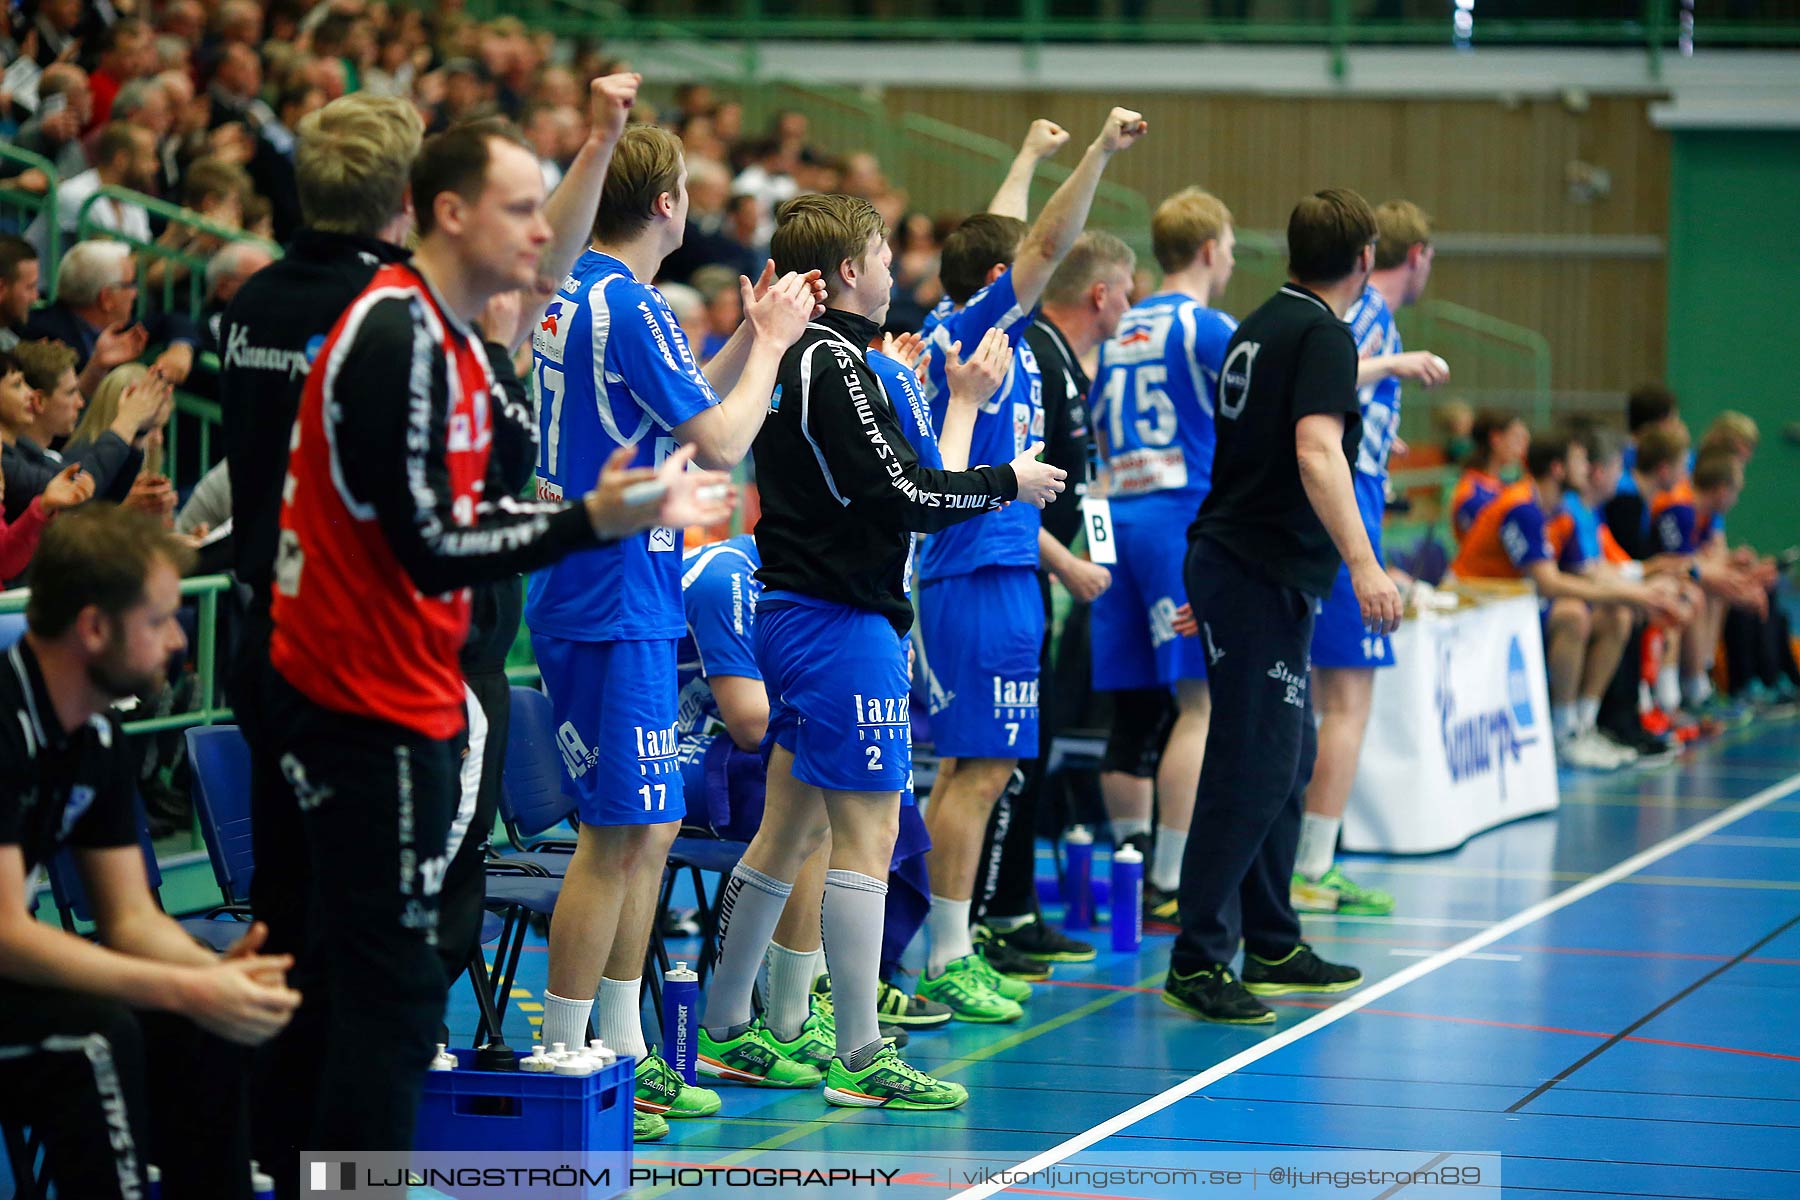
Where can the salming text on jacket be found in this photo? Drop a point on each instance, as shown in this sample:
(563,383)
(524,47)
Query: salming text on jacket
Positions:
(842,489)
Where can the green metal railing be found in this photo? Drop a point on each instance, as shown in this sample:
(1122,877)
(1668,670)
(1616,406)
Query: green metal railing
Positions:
(30,207)
(178,264)
(206,590)
(1336,25)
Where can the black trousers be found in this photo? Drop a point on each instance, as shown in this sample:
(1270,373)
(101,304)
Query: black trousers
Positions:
(1006,873)
(1757,649)
(1259,757)
(111,1090)
(465,884)
(375,803)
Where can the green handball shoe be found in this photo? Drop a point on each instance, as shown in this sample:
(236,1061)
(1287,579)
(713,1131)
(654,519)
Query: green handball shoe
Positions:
(1334,892)
(661,1093)
(1016,990)
(648,1127)
(755,1059)
(814,1045)
(964,987)
(889,1083)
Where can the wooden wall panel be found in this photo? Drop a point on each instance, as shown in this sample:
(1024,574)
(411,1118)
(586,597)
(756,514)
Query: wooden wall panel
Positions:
(1480,167)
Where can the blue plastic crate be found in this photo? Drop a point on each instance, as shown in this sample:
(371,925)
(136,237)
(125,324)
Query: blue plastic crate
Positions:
(501,1111)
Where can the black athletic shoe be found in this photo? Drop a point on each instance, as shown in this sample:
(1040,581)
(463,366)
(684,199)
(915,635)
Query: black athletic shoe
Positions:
(1006,959)
(1214,995)
(1300,971)
(1162,913)
(1038,941)
(894,1036)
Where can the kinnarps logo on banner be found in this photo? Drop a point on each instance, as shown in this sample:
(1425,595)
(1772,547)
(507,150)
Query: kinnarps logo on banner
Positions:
(1486,739)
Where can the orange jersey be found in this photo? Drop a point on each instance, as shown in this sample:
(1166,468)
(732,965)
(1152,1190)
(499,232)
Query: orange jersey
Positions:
(1474,492)
(1509,535)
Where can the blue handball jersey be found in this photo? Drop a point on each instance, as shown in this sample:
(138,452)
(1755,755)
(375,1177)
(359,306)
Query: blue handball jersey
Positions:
(612,369)
(1152,401)
(1011,420)
(719,592)
(1371,323)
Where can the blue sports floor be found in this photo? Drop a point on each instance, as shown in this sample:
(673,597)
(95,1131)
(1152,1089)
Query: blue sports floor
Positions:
(1607,997)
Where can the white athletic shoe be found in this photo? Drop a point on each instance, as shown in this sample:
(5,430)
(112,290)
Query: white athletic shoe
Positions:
(1590,750)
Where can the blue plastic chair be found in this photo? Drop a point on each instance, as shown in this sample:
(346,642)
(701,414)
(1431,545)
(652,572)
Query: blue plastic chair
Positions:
(219,758)
(73,905)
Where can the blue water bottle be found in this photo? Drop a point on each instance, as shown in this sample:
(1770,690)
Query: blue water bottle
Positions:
(1127,899)
(681,1002)
(1078,876)
(154,1175)
(262,1186)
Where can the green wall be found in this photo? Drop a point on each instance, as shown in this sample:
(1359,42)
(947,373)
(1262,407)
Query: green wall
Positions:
(1734,317)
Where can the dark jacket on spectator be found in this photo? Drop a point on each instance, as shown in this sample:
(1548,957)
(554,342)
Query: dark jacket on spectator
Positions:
(29,468)
(59,322)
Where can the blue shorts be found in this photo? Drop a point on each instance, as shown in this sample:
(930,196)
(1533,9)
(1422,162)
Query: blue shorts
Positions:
(838,693)
(1131,627)
(614,704)
(983,634)
(1339,637)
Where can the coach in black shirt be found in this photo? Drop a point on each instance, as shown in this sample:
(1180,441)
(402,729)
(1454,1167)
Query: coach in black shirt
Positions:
(121,1053)
(1262,552)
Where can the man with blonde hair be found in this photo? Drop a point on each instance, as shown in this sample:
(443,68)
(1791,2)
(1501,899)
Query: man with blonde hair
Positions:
(1345,654)
(1153,422)
(615,374)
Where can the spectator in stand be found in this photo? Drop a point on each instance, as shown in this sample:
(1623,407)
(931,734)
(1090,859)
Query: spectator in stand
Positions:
(19,276)
(58,26)
(918,243)
(124,156)
(467,94)
(95,296)
(707,241)
(769,178)
(545,127)
(66,488)
(150,490)
(111,456)
(126,54)
(54,130)
(718,286)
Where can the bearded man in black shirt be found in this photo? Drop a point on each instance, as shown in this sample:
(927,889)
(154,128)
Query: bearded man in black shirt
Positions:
(127,1051)
(1262,552)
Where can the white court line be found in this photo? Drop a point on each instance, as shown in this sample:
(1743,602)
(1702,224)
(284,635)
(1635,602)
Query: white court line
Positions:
(1484,957)
(1392,983)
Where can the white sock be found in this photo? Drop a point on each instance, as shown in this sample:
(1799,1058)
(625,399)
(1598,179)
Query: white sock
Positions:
(1124,828)
(854,908)
(621,1018)
(791,977)
(1587,712)
(1165,859)
(749,910)
(947,929)
(1668,689)
(565,1021)
(1564,721)
(1695,690)
(1318,845)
